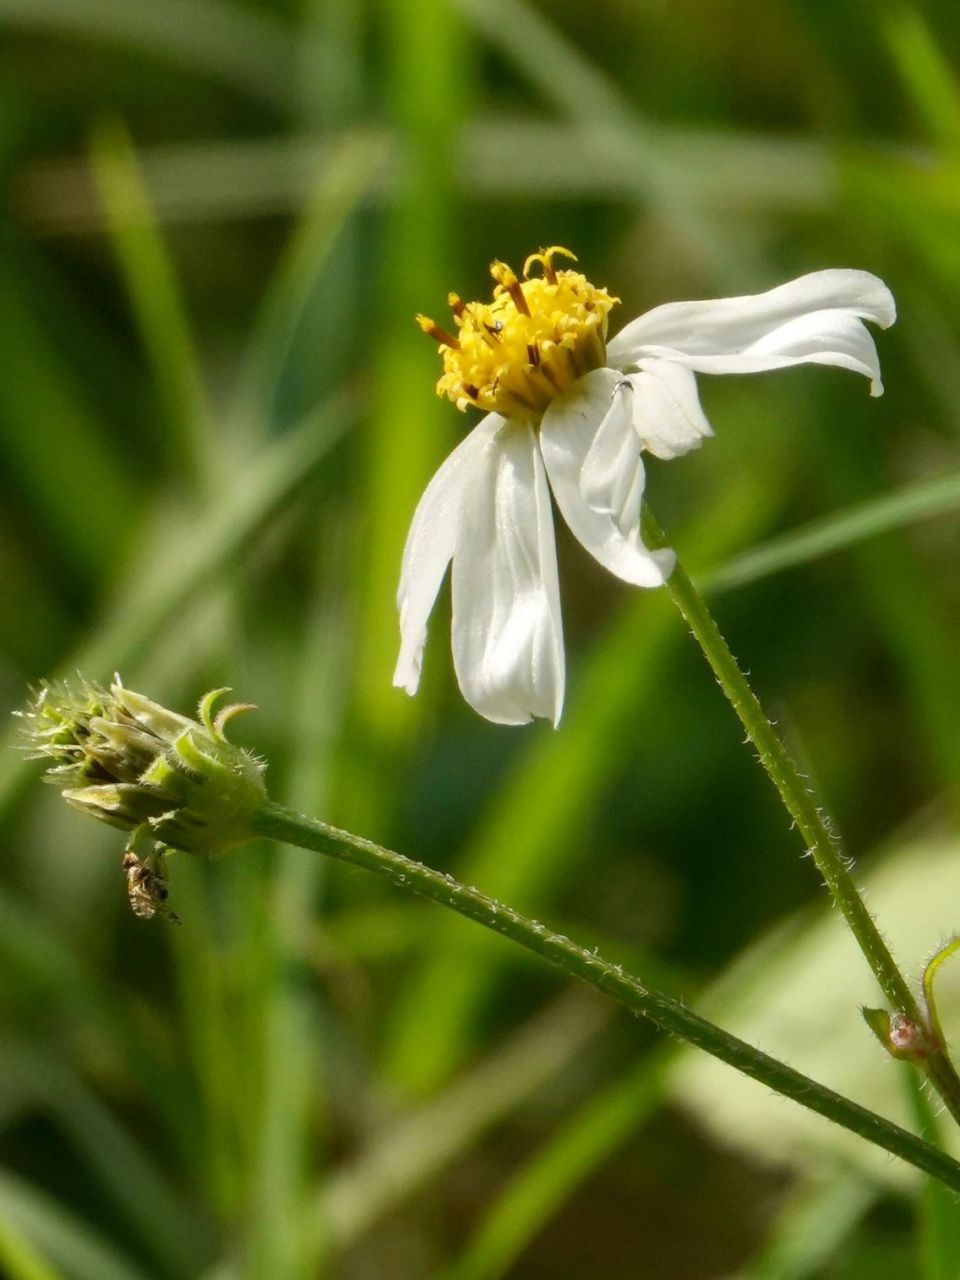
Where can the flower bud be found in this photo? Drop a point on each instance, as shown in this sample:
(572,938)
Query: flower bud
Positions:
(161,776)
(900,1035)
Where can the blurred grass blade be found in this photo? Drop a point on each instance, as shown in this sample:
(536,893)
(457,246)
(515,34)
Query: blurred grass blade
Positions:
(563,1163)
(60,1233)
(333,76)
(430,82)
(344,180)
(19,1260)
(589,98)
(213,997)
(226,41)
(423,1143)
(42,967)
(168,1225)
(927,75)
(276,1239)
(939,1221)
(196,552)
(811,1226)
(198,548)
(908,612)
(531,840)
(41,409)
(32,635)
(511,159)
(312,304)
(921,501)
(281,1238)
(154,295)
(123,1170)
(546,1182)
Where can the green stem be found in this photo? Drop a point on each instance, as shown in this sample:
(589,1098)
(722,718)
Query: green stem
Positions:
(278,823)
(802,807)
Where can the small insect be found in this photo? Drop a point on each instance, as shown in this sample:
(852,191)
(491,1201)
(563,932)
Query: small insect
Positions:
(147,887)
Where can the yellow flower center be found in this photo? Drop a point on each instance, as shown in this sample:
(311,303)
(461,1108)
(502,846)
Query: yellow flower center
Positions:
(538,336)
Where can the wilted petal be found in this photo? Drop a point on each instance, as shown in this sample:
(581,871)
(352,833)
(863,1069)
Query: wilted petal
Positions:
(815,319)
(566,435)
(507,631)
(667,416)
(612,475)
(430,545)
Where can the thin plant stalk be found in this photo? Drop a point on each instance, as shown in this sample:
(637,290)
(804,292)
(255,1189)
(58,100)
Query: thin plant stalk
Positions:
(276,822)
(803,809)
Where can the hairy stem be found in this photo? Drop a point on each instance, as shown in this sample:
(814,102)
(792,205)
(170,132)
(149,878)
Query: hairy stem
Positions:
(278,823)
(802,807)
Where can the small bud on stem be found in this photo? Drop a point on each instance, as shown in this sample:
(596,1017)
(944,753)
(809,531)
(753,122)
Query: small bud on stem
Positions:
(901,1036)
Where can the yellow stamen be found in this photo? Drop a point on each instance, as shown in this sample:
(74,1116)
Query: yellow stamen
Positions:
(433,330)
(532,341)
(508,281)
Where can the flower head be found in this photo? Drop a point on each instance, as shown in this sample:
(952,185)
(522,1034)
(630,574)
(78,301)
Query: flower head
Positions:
(531,343)
(171,782)
(563,405)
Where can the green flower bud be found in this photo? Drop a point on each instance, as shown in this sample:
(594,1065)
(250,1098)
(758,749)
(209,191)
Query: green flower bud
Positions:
(170,781)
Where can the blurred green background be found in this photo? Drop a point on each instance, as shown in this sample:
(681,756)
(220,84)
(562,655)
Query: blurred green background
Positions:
(216,416)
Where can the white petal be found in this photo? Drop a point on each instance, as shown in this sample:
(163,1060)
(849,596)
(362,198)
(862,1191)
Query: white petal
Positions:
(566,435)
(732,335)
(612,475)
(823,337)
(430,545)
(667,416)
(507,632)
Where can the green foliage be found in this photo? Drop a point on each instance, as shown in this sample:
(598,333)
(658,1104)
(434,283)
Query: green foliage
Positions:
(216,415)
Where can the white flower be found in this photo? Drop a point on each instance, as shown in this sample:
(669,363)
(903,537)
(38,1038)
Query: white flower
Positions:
(566,407)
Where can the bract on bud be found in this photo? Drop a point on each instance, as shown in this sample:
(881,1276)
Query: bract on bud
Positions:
(171,781)
(901,1036)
